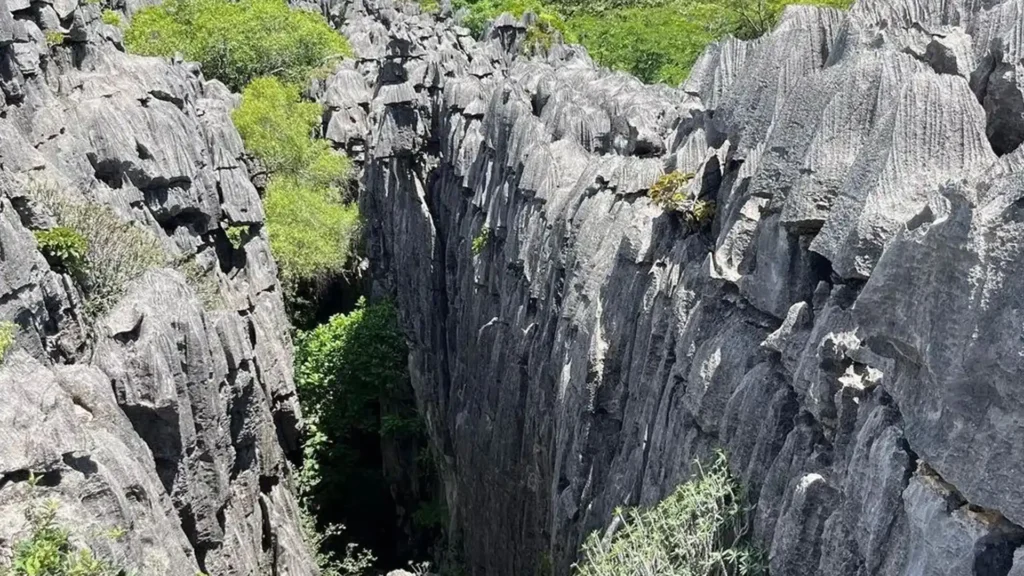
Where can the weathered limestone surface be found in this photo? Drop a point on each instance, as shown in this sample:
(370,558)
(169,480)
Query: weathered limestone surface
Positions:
(848,329)
(170,415)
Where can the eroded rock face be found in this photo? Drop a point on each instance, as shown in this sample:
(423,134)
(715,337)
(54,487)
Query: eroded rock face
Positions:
(848,329)
(171,414)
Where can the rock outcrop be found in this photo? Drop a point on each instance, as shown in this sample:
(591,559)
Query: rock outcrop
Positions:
(848,330)
(169,416)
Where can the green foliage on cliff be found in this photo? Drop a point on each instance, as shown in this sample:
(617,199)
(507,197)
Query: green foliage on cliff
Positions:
(48,550)
(671,193)
(698,530)
(277,126)
(346,370)
(8,332)
(64,248)
(655,40)
(312,229)
(237,41)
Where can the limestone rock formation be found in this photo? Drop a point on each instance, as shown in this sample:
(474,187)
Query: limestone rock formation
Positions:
(168,415)
(848,330)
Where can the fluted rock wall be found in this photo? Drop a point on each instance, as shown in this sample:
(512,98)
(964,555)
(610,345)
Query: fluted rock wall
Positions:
(170,415)
(849,330)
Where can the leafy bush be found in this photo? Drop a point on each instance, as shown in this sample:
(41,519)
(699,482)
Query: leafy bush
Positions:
(479,13)
(311,231)
(698,530)
(48,550)
(111,17)
(236,235)
(116,252)
(655,40)
(671,193)
(356,562)
(352,379)
(64,249)
(8,330)
(481,241)
(277,127)
(237,41)
(54,38)
(345,367)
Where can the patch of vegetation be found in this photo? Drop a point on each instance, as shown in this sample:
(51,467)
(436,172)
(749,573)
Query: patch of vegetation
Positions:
(8,331)
(671,193)
(54,38)
(238,41)
(481,241)
(699,529)
(479,13)
(278,126)
(111,17)
(64,249)
(312,229)
(353,383)
(116,252)
(655,40)
(49,551)
(355,562)
(430,6)
(344,370)
(236,235)
(540,37)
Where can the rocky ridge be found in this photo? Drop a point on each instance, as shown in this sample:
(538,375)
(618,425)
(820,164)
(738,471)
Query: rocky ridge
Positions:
(848,330)
(170,416)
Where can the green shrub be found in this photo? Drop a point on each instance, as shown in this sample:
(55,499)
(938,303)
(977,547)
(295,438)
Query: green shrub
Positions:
(54,38)
(345,370)
(481,241)
(277,127)
(481,12)
(671,193)
(236,235)
(64,248)
(111,17)
(311,231)
(48,550)
(237,41)
(655,40)
(356,562)
(8,331)
(116,252)
(698,530)
(430,6)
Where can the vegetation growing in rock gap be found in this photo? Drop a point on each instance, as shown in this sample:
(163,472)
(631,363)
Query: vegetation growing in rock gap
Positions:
(8,331)
(671,192)
(312,229)
(54,38)
(700,529)
(111,17)
(48,550)
(481,241)
(655,40)
(238,41)
(64,249)
(353,384)
(102,252)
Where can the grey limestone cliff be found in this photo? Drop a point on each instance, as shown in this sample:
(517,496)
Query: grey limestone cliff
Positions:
(170,415)
(848,330)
